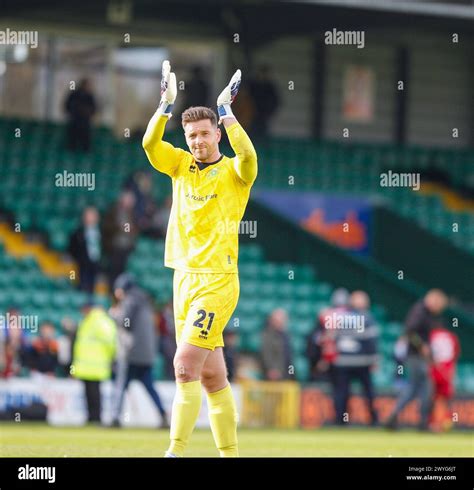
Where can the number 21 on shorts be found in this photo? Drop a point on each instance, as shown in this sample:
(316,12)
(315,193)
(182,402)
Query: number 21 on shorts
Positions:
(202,314)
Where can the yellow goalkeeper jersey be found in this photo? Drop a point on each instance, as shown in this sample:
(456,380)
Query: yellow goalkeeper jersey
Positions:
(208,203)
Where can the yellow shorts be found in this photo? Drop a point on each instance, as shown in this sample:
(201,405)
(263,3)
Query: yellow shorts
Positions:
(203,304)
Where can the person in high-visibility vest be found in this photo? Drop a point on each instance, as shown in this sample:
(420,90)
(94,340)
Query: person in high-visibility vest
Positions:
(93,355)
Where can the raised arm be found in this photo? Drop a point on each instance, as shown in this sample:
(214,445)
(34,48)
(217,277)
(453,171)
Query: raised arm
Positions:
(245,162)
(162,155)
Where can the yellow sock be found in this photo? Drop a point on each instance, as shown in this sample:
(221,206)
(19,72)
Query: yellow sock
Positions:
(186,407)
(223,417)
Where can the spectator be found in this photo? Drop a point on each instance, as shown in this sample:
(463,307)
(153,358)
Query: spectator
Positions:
(421,319)
(357,353)
(65,345)
(120,232)
(85,247)
(314,351)
(276,349)
(93,353)
(265,98)
(163,216)
(135,313)
(244,109)
(43,355)
(340,344)
(80,107)
(321,345)
(15,348)
(166,339)
(400,350)
(445,351)
(196,89)
(3,341)
(249,367)
(146,210)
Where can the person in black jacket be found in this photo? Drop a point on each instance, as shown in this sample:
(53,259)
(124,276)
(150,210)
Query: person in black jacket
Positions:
(134,314)
(196,89)
(80,107)
(86,248)
(266,100)
(421,319)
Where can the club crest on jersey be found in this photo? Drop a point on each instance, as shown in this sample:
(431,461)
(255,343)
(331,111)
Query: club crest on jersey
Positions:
(192,168)
(212,173)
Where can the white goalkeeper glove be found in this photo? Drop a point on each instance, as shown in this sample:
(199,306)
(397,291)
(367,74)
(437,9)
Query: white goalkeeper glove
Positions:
(168,89)
(227,96)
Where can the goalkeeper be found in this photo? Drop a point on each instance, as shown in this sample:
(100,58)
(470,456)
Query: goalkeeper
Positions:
(210,193)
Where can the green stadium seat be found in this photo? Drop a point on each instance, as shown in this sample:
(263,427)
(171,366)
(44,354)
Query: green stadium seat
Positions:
(285,290)
(379,312)
(249,271)
(302,325)
(269,271)
(301,366)
(322,291)
(247,324)
(252,342)
(303,291)
(298,344)
(248,307)
(394,329)
(60,299)
(249,288)
(268,289)
(158,368)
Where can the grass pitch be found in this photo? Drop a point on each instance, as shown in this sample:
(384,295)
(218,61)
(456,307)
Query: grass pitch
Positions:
(39,440)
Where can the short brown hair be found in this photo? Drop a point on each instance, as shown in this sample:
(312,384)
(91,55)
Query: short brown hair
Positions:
(193,114)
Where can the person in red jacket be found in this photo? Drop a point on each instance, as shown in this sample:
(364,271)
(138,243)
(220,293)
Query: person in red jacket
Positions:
(445,351)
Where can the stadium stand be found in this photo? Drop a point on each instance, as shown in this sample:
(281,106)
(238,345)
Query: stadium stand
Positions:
(27,193)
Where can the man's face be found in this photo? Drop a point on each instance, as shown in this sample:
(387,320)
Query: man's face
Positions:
(202,139)
(119,294)
(279,319)
(127,200)
(360,301)
(90,217)
(436,302)
(47,331)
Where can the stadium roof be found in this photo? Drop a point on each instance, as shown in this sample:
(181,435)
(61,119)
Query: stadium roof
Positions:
(451,8)
(258,21)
